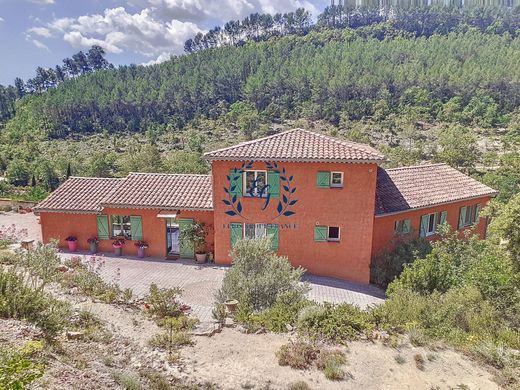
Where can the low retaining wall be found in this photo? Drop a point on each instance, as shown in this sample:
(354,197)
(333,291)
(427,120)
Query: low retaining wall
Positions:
(17,204)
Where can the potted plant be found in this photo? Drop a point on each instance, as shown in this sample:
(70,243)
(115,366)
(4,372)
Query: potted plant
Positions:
(92,245)
(118,246)
(195,234)
(72,242)
(141,246)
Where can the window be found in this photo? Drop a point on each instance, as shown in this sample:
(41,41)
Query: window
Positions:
(429,223)
(333,233)
(402,227)
(336,179)
(121,226)
(326,233)
(255,230)
(469,215)
(326,179)
(255,183)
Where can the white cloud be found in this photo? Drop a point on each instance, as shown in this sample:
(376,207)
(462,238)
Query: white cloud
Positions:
(224,10)
(116,30)
(161,58)
(41,31)
(1,19)
(39,44)
(42,2)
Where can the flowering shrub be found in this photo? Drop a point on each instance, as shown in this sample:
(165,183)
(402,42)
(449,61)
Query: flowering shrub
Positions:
(93,240)
(141,244)
(71,238)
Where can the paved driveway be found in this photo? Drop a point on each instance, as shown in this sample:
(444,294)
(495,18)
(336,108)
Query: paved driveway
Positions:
(199,282)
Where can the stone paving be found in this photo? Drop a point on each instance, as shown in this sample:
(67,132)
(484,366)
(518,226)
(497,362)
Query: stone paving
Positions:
(198,281)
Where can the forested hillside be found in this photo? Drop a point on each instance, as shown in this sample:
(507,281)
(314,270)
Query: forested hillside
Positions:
(418,92)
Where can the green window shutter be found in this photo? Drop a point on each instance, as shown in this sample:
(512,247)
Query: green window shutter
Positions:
(136,228)
(477,214)
(235,183)
(102,227)
(320,233)
(273,180)
(187,249)
(444,215)
(462,216)
(236,232)
(272,232)
(407,226)
(323,180)
(424,225)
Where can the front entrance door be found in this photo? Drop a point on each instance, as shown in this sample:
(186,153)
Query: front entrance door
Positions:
(172,238)
(186,249)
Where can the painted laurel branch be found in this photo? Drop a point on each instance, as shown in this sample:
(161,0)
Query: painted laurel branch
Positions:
(260,191)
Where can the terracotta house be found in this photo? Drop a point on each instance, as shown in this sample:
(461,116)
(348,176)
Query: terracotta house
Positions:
(326,204)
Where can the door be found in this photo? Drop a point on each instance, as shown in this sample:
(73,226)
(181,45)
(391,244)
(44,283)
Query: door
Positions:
(172,238)
(186,249)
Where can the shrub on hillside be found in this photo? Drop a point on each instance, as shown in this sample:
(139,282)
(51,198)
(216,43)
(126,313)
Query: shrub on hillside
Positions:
(334,323)
(164,302)
(388,265)
(22,297)
(258,276)
(19,368)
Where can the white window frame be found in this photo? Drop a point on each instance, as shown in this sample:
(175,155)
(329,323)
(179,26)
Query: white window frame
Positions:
(257,228)
(436,217)
(333,239)
(245,189)
(332,184)
(124,227)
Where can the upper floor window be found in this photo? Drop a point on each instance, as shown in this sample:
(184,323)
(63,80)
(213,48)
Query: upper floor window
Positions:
(255,183)
(326,233)
(429,223)
(403,226)
(325,179)
(121,226)
(469,215)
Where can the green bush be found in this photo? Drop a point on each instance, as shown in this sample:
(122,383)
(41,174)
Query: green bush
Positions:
(164,302)
(19,368)
(283,312)
(388,265)
(22,297)
(258,276)
(334,323)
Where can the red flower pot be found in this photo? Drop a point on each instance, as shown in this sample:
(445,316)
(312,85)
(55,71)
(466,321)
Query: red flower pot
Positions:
(73,246)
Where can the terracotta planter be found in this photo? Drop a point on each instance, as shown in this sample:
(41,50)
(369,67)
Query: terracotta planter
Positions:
(118,250)
(92,248)
(201,257)
(140,252)
(73,245)
(231,305)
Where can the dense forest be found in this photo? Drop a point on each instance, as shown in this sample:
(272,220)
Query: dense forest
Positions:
(427,84)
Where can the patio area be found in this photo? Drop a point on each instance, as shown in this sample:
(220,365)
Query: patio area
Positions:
(199,282)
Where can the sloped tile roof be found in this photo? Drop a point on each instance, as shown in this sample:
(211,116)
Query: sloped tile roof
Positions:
(298,145)
(79,195)
(406,188)
(160,190)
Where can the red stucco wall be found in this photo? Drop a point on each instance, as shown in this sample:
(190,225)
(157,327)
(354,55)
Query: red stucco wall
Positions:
(83,226)
(384,237)
(351,208)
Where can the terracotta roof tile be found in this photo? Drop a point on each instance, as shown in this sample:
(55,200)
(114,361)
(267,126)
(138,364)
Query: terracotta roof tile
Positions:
(298,145)
(419,186)
(160,190)
(79,194)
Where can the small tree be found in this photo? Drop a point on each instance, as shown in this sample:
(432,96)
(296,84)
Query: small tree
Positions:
(194,234)
(259,276)
(506,228)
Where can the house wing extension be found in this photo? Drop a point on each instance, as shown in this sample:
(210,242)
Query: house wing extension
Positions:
(406,188)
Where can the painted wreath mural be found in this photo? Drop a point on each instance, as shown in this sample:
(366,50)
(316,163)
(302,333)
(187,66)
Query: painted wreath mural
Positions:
(258,189)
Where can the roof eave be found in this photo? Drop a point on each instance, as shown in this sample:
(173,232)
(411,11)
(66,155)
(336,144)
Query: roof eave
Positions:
(151,207)
(491,194)
(65,211)
(307,160)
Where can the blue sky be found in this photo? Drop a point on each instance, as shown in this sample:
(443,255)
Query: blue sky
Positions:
(43,32)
